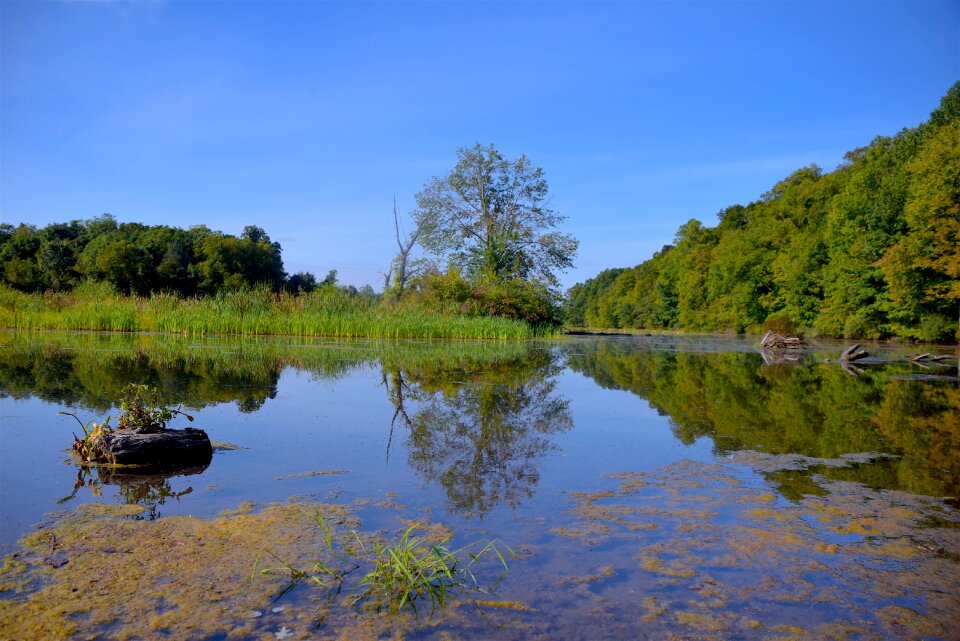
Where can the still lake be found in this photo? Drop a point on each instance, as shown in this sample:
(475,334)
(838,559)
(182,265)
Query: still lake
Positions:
(638,487)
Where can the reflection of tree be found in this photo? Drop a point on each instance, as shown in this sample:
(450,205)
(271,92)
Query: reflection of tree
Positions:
(94,379)
(480,434)
(149,491)
(809,409)
(398,390)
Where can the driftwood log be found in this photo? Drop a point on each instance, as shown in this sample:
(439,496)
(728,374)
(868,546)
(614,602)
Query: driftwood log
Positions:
(916,358)
(157,449)
(853,353)
(773,340)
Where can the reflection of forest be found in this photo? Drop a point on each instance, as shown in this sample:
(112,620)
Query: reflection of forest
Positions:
(90,370)
(480,433)
(815,410)
(476,417)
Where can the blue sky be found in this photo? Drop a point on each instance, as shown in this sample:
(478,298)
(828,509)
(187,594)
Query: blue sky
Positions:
(306,118)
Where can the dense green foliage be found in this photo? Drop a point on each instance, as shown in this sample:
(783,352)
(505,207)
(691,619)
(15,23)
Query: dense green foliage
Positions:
(138,259)
(488,222)
(500,263)
(490,218)
(869,250)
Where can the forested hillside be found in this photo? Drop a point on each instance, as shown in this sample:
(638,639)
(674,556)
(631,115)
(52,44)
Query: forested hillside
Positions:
(869,250)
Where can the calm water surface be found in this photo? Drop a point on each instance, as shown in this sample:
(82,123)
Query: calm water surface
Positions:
(651,487)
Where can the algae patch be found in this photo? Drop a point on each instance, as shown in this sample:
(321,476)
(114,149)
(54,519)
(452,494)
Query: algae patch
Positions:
(176,577)
(311,474)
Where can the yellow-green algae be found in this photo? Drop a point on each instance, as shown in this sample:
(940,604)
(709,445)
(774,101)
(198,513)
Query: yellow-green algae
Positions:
(99,572)
(179,577)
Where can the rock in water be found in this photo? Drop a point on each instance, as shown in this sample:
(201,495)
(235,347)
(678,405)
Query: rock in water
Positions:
(158,449)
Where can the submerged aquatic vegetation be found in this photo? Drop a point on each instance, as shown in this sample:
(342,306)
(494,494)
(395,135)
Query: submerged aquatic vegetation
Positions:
(412,570)
(837,566)
(103,571)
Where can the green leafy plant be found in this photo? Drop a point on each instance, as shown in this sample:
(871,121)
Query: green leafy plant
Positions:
(89,448)
(142,410)
(402,575)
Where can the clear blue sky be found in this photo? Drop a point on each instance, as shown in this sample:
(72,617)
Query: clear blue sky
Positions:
(306,118)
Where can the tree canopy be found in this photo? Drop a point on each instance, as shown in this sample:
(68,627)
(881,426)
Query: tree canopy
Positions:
(139,259)
(490,218)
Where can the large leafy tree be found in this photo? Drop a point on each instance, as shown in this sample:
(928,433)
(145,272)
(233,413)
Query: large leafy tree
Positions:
(490,217)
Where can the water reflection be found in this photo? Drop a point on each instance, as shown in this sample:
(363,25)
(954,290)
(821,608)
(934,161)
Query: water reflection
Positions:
(149,491)
(477,418)
(480,434)
(474,419)
(814,409)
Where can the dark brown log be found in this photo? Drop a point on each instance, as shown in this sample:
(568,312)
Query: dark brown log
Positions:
(162,449)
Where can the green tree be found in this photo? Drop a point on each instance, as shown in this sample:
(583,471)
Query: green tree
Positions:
(490,218)
(923,267)
(116,260)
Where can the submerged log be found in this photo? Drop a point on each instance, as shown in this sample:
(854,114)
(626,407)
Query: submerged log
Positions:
(773,340)
(157,449)
(853,353)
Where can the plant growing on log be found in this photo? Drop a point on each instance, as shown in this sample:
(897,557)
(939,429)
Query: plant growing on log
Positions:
(88,448)
(142,410)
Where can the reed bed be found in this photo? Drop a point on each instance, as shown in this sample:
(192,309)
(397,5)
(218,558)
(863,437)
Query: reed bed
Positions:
(331,314)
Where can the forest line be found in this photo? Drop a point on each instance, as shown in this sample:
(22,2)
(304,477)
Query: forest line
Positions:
(869,250)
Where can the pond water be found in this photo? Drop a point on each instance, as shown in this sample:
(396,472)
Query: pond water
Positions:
(637,487)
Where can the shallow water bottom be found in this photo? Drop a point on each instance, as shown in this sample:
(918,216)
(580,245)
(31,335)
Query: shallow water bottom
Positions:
(638,488)
(687,551)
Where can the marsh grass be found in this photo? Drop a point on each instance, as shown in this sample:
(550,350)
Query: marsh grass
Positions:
(97,307)
(415,570)
(402,575)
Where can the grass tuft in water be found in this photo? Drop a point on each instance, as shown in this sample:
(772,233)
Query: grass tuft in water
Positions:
(401,575)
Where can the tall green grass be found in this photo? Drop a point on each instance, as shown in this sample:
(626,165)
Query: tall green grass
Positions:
(327,313)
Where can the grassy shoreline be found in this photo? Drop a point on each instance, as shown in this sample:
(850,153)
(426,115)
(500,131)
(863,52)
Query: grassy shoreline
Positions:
(251,313)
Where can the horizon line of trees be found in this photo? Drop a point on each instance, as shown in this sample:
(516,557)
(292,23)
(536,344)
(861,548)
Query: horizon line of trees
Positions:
(138,259)
(870,250)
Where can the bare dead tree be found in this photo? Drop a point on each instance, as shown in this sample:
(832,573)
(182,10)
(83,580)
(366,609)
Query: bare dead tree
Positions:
(402,269)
